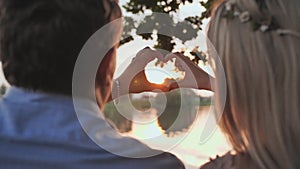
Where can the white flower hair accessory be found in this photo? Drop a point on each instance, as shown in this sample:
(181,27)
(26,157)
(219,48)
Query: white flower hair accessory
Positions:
(233,11)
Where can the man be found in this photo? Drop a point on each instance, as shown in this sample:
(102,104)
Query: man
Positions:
(39,44)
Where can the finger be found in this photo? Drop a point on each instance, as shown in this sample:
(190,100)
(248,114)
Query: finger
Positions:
(181,84)
(173,86)
(155,55)
(183,57)
(170,57)
(178,56)
(147,55)
(180,62)
(144,55)
(151,54)
(180,66)
(142,51)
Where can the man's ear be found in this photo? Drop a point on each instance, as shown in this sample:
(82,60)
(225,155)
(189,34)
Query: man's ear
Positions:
(107,66)
(104,77)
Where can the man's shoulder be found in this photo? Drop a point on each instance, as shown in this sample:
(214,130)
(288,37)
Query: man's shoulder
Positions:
(53,132)
(152,158)
(135,154)
(168,160)
(221,162)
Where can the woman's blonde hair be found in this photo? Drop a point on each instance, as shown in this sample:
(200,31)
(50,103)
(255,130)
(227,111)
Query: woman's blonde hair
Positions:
(262,113)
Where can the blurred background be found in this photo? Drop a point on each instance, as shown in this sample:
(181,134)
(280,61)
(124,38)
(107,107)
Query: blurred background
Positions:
(176,125)
(176,118)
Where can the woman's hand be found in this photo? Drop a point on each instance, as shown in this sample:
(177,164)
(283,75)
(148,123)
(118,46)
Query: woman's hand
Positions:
(134,80)
(195,77)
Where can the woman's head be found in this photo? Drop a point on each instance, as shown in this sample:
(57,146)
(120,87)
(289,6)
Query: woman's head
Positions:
(262,113)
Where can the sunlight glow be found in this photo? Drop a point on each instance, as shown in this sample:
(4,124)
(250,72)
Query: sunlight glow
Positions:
(189,150)
(157,75)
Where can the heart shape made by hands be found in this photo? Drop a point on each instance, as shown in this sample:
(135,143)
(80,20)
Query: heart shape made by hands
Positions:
(143,75)
(163,72)
(177,71)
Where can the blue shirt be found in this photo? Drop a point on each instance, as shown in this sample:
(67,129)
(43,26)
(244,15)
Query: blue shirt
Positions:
(42,131)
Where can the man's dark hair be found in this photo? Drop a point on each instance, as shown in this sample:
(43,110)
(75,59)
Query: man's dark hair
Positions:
(41,39)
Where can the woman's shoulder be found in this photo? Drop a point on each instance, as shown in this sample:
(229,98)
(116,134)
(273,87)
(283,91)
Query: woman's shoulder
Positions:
(220,162)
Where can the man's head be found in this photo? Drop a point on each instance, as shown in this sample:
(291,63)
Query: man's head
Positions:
(41,39)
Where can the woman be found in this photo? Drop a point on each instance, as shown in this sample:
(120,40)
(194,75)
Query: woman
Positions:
(258,43)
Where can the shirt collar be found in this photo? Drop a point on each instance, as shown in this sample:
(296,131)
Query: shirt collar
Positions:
(17,94)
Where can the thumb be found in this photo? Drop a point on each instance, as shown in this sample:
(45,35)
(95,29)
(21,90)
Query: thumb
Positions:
(173,86)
